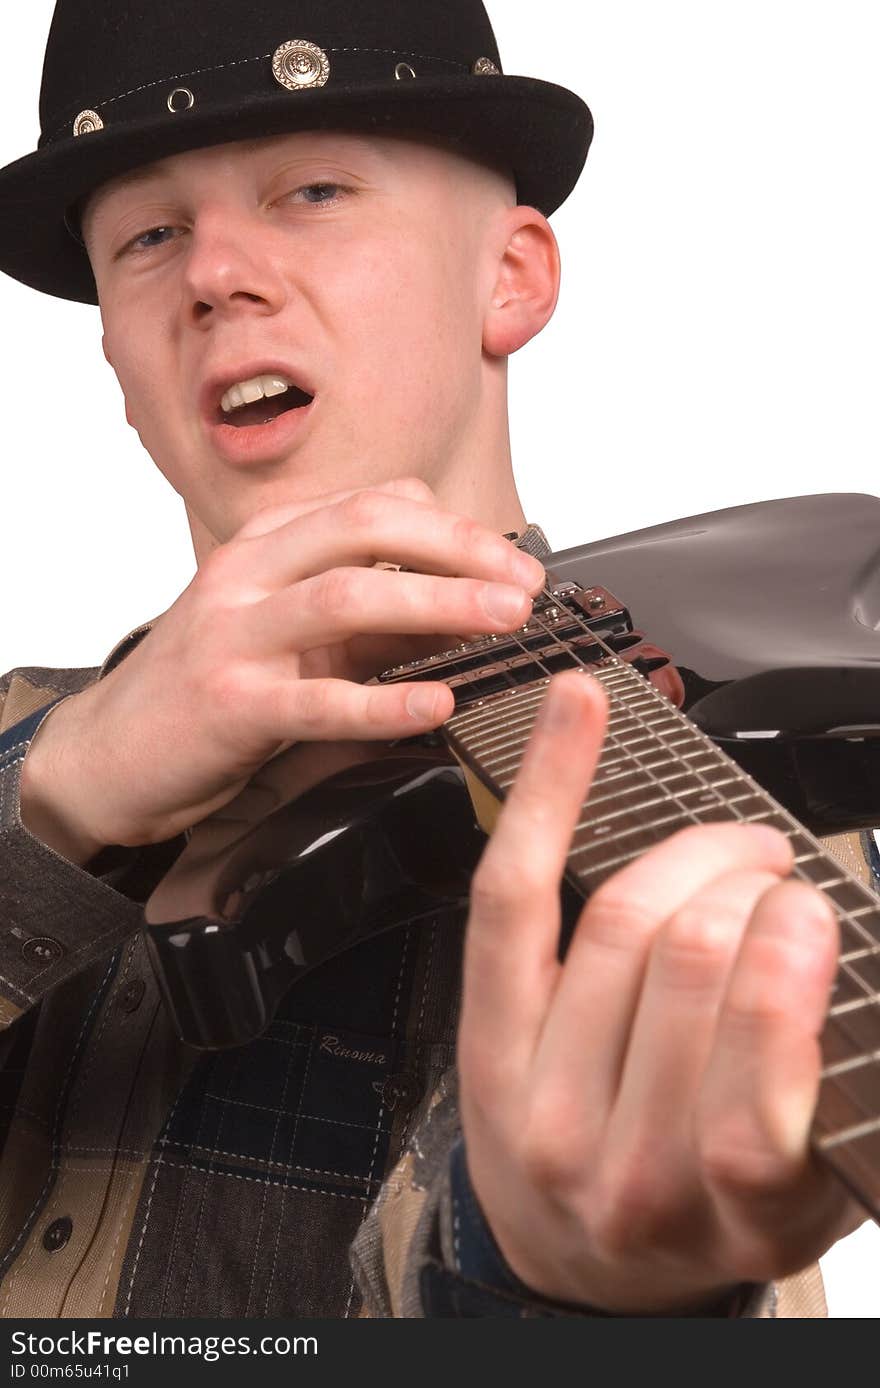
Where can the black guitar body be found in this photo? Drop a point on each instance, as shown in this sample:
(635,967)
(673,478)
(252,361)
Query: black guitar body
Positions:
(761,622)
(771,615)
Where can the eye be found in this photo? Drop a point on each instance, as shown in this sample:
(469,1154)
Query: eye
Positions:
(149,240)
(318,194)
(321,192)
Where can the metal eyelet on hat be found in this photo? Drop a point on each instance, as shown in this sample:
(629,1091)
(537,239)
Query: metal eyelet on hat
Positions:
(484,67)
(86,122)
(299,64)
(404,73)
(188,102)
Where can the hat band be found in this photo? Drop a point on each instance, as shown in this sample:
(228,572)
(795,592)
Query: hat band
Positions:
(295,66)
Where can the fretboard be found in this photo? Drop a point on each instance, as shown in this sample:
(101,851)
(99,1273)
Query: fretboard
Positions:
(659,773)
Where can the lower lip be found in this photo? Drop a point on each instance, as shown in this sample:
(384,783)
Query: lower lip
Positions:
(261,443)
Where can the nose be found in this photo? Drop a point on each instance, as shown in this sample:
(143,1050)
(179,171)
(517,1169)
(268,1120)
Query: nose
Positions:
(230,267)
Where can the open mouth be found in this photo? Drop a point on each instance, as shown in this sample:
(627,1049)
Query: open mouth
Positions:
(261,400)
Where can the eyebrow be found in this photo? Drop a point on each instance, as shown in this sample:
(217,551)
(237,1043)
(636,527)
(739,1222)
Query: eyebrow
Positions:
(152,173)
(147,173)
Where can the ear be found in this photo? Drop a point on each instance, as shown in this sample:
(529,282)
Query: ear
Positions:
(526,284)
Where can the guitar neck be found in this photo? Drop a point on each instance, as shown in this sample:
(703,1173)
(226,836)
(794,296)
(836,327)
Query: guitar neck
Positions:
(658,773)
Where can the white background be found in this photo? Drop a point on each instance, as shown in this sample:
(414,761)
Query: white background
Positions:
(716,343)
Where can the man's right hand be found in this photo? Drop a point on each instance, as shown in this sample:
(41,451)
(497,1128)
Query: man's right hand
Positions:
(269,646)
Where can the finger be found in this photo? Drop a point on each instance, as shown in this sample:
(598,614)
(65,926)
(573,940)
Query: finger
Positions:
(688,969)
(510,950)
(343,603)
(762,1080)
(336,710)
(379,525)
(588,1028)
(272,518)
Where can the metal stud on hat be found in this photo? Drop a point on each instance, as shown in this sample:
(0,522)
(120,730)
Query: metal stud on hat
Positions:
(299,64)
(86,122)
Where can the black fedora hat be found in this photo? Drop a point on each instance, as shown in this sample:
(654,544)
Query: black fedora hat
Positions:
(126,82)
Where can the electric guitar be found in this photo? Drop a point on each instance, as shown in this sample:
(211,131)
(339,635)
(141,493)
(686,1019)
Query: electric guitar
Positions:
(311,860)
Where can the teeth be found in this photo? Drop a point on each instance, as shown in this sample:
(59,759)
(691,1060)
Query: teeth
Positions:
(246,392)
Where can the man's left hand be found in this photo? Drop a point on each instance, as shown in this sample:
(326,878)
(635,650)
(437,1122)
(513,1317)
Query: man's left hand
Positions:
(637,1117)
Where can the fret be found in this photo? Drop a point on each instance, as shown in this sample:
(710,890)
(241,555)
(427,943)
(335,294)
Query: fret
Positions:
(489,711)
(500,745)
(625,805)
(626,745)
(857,1163)
(858,1023)
(837,1046)
(596,874)
(641,709)
(656,743)
(866,967)
(851,1134)
(850,1096)
(633,707)
(693,785)
(619,730)
(864,911)
(649,832)
(777,819)
(525,720)
(685,786)
(503,769)
(663,759)
(595,822)
(854,932)
(678,766)
(816,870)
(842,1067)
(513,746)
(850,991)
(521,715)
(851,896)
(593,874)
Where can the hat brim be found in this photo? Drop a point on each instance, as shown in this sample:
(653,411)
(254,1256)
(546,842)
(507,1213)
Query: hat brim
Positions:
(539,131)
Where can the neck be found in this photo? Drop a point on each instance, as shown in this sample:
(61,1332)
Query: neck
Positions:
(479,484)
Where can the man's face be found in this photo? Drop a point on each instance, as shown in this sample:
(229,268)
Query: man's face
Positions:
(359,269)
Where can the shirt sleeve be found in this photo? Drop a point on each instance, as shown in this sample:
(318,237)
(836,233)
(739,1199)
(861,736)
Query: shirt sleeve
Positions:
(426,1250)
(55,918)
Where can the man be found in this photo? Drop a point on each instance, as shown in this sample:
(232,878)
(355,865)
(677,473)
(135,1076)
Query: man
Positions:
(314,252)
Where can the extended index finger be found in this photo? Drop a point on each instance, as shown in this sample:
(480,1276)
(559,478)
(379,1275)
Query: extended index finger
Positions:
(511,946)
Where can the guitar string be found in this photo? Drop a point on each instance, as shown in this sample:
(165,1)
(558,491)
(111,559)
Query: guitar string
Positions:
(629,676)
(657,701)
(632,679)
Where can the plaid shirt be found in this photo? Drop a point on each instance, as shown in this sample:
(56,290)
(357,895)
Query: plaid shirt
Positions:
(305,1174)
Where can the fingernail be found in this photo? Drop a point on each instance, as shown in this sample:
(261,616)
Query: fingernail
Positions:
(503,603)
(421,704)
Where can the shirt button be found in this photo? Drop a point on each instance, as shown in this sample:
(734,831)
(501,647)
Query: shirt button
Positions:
(132,995)
(57,1234)
(401,1091)
(41,949)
